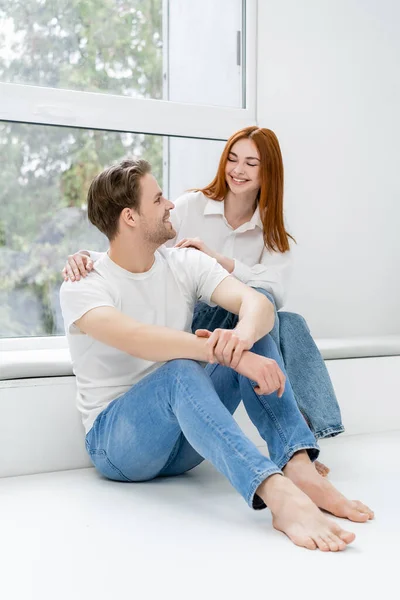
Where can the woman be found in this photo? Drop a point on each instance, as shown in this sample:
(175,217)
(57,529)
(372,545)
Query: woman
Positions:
(238,220)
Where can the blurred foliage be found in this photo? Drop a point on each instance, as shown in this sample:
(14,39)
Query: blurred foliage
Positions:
(106,46)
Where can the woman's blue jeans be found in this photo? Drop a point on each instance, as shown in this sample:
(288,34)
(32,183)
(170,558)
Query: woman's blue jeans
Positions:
(180,414)
(303,363)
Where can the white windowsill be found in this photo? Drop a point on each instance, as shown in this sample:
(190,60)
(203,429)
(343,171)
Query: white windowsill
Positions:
(55,361)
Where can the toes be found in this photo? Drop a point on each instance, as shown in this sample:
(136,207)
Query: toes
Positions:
(363,508)
(323,544)
(304,542)
(337,541)
(346,536)
(358,516)
(321,468)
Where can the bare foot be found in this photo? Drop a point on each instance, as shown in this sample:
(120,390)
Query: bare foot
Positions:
(297,516)
(322,469)
(302,472)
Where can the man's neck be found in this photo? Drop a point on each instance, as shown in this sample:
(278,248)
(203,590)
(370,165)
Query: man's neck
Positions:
(132,255)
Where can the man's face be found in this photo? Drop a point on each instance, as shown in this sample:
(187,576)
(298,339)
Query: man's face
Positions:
(153,218)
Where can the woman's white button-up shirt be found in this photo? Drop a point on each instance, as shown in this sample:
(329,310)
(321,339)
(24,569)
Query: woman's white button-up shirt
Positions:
(195,215)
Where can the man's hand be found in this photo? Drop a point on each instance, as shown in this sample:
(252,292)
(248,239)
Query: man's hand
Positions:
(225,346)
(264,371)
(78,265)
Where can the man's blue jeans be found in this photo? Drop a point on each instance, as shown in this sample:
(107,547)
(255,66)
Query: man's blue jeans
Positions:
(303,363)
(180,414)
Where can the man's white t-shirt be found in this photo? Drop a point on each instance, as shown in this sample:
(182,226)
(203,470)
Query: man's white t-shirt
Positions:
(165,295)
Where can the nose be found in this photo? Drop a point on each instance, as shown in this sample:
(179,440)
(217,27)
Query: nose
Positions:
(170,205)
(238,169)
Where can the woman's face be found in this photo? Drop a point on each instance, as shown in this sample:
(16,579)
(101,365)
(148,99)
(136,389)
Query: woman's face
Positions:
(242,171)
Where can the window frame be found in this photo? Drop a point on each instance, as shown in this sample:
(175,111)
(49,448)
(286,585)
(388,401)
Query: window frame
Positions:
(31,104)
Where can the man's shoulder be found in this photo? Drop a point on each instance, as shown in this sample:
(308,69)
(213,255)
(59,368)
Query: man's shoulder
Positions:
(186,259)
(93,283)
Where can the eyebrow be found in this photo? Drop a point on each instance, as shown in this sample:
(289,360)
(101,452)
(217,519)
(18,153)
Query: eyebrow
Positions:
(158,195)
(247,157)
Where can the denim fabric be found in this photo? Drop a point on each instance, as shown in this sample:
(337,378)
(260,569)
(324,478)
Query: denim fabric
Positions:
(180,414)
(303,363)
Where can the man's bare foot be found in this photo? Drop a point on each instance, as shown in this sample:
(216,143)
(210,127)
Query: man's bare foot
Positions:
(302,472)
(296,515)
(322,469)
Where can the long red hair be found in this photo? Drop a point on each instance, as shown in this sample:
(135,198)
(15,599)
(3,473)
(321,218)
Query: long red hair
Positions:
(270,195)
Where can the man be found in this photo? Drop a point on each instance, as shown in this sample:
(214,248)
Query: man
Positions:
(148,407)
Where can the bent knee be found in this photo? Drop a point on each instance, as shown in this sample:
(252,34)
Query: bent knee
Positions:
(293,319)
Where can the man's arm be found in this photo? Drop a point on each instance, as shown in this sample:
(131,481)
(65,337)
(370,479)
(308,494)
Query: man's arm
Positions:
(150,342)
(256,319)
(256,312)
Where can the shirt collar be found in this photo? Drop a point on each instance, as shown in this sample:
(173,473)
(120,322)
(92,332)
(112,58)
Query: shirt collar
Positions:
(216,207)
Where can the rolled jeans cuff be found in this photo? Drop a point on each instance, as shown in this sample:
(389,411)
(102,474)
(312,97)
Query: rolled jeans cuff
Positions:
(253,499)
(329,432)
(312,450)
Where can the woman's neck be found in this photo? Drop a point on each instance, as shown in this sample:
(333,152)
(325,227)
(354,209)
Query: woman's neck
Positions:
(239,208)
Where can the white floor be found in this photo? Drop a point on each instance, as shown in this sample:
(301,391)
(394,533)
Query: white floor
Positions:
(72,535)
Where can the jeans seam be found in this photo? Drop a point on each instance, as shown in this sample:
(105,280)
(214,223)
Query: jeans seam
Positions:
(216,428)
(271,414)
(113,467)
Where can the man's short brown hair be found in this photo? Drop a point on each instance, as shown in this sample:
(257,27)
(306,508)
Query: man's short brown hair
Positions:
(116,188)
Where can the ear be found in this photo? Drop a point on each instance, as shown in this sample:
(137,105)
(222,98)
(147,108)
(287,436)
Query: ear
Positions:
(129,217)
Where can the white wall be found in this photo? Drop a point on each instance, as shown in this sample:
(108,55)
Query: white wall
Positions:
(329,86)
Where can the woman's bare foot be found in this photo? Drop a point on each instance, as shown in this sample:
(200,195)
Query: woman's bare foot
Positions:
(322,469)
(297,516)
(302,472)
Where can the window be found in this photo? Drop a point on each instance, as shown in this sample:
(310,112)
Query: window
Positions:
(85,83)
(46,172)
(172,50)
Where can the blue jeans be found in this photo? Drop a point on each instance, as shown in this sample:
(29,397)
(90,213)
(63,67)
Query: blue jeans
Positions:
(181,414)
(303,362)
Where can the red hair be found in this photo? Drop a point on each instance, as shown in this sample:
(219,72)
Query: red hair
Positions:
(270,195)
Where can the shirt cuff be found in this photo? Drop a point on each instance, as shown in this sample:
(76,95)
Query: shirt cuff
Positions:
(242,271)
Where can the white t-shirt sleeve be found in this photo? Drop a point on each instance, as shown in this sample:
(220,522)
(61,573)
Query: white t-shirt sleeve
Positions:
(77,298)
(95,255)
(272,273)
(201,273)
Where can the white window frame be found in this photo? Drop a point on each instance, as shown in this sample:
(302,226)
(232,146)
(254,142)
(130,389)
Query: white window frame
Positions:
(59,107)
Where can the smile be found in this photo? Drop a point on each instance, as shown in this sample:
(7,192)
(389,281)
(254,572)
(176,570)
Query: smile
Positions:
(239,181)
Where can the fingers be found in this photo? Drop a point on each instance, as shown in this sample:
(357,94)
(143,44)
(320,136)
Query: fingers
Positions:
(77,266)
(81,265)
(237,354)
(204,333)
(270,380)
(224,347)
(282,381)
(189,243)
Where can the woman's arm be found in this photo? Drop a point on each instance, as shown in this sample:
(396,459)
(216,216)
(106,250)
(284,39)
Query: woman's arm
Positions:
(272,273)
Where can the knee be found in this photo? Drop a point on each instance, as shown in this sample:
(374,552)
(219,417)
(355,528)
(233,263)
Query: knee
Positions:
(266,294)
(293,320)
(184,367)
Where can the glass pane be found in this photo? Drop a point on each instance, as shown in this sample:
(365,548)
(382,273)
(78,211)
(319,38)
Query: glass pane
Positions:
(120,47)
(46,172)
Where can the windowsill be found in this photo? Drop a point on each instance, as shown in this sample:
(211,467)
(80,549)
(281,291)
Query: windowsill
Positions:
(56,361)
